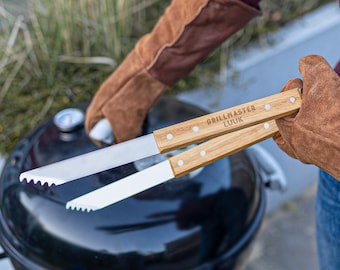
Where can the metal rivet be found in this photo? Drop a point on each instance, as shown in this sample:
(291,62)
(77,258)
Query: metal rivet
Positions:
(292,99)
(267,107)
(195,129)
(203,153)
(266,125)
(180,162)
(169,136)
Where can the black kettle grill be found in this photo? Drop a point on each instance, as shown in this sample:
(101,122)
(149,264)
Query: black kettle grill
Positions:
(204,220)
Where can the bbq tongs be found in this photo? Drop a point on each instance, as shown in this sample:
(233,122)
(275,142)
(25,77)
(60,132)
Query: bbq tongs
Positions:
(217,135)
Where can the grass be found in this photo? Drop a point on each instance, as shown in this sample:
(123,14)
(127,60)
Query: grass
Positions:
(56,53)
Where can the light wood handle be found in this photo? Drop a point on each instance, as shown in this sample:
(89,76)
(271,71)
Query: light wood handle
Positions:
(220,147)
(228,120)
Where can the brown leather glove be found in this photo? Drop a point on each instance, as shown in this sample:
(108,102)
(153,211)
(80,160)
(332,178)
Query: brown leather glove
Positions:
(187,32)
(313,134)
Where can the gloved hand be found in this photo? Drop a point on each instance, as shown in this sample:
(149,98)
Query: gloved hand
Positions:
(187,32)
(313,134)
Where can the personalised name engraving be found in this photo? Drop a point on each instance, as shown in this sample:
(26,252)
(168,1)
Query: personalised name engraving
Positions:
(231,118)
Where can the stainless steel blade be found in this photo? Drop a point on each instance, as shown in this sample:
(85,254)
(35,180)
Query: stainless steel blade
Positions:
(123,188)
(93,162)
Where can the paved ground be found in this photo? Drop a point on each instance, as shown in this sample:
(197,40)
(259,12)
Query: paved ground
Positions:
(287,237)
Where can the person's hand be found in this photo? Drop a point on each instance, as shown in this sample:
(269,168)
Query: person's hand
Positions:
(187,32)
(313,134)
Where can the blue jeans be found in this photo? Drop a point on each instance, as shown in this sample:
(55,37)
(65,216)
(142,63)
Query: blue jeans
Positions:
(327,215)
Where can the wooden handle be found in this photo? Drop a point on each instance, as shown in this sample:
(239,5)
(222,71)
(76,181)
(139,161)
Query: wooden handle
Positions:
(228,120)
(220,147)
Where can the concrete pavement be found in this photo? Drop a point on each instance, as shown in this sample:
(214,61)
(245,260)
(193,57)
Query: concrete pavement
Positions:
(287,237)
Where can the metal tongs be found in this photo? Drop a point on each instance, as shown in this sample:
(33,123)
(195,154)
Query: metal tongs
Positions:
(223,133)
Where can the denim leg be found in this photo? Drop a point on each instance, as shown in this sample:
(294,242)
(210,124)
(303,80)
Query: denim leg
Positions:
(327,215)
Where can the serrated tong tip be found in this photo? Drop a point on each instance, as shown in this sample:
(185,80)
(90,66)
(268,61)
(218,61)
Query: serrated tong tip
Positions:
(36,182)
(32,179)
(82,208)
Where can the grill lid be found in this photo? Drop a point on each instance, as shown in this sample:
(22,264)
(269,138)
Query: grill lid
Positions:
(180,224)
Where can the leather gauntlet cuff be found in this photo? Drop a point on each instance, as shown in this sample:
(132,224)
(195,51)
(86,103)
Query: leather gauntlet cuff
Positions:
(187,33)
